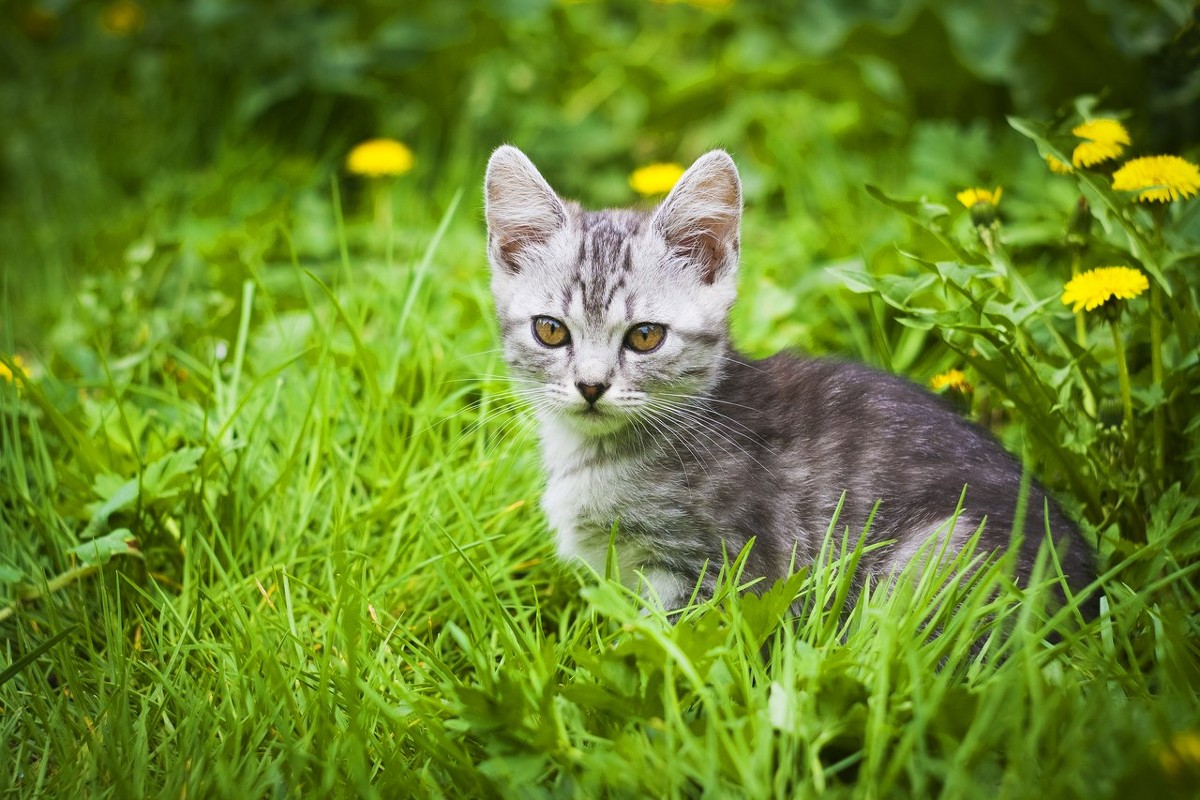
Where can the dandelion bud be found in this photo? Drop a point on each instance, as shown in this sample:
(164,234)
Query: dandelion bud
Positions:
(981,204)
(1110,413)
(983,214)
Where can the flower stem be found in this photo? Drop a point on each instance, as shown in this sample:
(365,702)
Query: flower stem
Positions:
(381,190)
(53,585)
(1156,373)
(1080,324)
(1123,378)
(1156,356)
(1081,338)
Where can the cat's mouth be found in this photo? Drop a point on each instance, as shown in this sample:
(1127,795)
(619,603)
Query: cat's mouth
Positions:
(595,420)
(592,414)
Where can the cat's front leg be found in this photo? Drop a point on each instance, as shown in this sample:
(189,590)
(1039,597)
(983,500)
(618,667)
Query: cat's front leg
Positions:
(663,589)
(659,587)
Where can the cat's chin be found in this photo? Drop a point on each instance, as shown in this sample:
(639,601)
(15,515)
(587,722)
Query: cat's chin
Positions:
(594,422)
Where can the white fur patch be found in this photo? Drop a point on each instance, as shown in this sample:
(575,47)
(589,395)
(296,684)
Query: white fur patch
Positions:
(941,540)
(665,589)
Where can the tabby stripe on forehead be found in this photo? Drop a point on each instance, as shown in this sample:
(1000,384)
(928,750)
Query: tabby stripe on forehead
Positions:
(619,283)
(569,288)
(580,260)
(583,296)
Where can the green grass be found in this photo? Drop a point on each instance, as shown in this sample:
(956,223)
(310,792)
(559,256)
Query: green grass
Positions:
(269,524)
(322,568)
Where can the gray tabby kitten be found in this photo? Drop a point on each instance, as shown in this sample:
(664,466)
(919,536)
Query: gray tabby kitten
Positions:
(617,321)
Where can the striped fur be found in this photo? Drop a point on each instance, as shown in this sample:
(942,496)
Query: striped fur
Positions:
(692,448)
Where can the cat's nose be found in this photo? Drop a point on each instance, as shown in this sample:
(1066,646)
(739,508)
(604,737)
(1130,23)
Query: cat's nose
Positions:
(591,391)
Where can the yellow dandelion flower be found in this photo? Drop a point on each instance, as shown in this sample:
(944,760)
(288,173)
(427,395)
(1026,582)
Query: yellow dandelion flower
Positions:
(1092,289)
(122,17)
(6,373)
(952,379)
(1158,178)
(378,158)
(1058,167)
(1181,755)
(1104,139)
(970,197)
(655,179)
(1089,154)
(1103,129)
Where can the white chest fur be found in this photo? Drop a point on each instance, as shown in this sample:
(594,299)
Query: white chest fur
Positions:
(582,504)
(588,490)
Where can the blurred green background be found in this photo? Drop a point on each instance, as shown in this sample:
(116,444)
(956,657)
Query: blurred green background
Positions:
(208,130)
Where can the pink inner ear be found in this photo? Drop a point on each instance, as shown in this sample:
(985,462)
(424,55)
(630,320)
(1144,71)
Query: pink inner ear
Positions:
(700,217)
(710,242)
(507,249)
(513,240)
(703,248)
(522,208)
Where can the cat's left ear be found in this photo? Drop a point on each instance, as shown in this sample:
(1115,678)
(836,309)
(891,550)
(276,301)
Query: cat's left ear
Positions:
(701,217)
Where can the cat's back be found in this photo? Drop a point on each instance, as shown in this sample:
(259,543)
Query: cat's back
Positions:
(825,428)
(797,399)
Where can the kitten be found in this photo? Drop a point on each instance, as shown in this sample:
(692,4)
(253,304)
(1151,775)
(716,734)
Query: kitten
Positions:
(618,322)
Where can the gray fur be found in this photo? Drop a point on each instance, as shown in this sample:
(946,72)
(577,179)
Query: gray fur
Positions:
(694,448)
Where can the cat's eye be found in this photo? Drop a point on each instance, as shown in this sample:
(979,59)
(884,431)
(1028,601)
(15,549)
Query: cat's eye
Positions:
(550,332)
(645,336)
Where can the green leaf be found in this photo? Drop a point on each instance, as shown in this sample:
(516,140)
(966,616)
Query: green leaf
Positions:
(926,215)
(985,349)
(120,498)
(960,274)
(101,550)
(856,280)
(1150,397)
(987,36)
(10,574)
(916,323)
(920,210)
(162,479)
(168,475)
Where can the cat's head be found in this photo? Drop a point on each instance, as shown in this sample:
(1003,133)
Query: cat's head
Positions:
(612,316)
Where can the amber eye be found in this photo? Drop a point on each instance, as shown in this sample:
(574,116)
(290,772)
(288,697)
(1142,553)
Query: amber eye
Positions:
(645,336)
(550,332)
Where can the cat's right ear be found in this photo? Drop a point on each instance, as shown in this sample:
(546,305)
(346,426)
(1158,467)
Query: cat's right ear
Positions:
(521,208)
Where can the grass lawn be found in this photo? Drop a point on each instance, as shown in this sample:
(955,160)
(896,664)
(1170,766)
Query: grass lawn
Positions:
(281,536)
(269,509)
